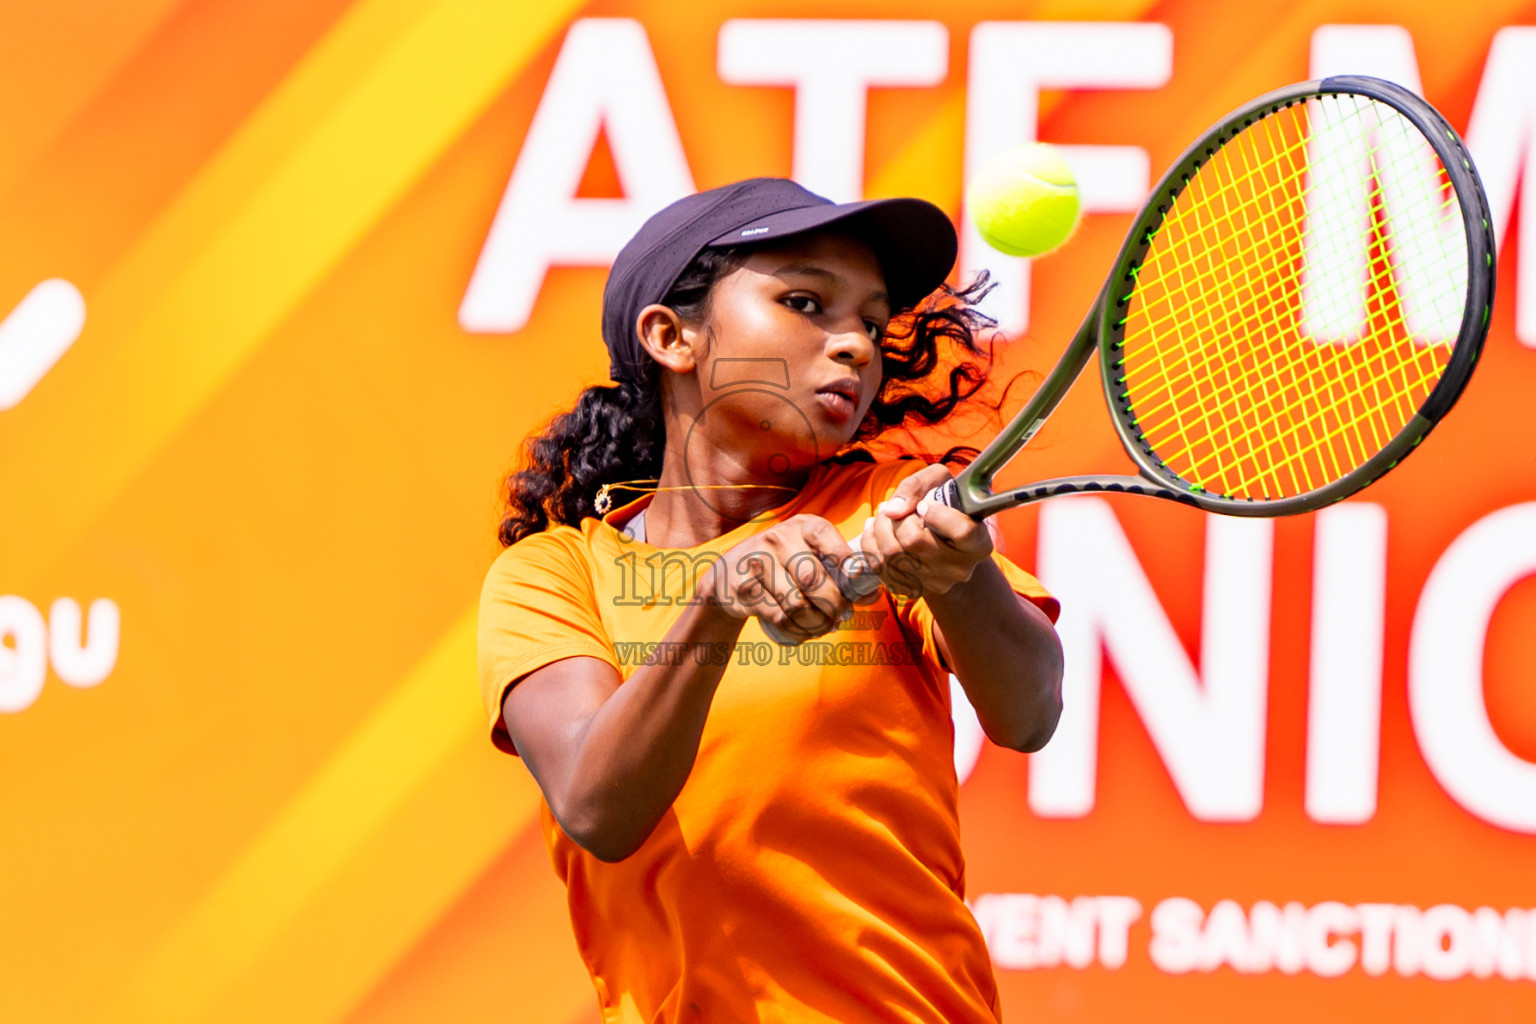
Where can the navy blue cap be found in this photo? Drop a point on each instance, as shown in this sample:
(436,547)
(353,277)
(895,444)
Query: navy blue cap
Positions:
(912,238)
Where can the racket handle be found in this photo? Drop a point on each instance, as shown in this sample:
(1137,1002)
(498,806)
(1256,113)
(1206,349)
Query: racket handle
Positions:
(859,581)
(856,586)
(947,493)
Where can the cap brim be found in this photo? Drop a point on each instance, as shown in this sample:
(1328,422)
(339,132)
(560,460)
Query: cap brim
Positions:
(913,239)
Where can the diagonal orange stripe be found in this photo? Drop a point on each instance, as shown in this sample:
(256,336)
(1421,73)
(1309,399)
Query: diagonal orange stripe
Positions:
(504,950)
(393,889)
(353,129)
(51,67)
(348,864)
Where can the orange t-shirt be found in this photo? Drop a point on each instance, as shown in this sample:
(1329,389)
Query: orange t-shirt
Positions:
(810,868)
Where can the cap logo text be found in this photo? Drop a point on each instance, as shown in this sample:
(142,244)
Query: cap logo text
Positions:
(753,231)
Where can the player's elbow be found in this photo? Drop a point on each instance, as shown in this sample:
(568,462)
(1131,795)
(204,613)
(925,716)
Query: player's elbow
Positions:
(603,830)
(608,849)
(1044,726)
(604,840)
(1035,724)
(1030,731)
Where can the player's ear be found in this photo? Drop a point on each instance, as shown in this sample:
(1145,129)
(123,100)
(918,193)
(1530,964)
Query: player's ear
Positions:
(662,334)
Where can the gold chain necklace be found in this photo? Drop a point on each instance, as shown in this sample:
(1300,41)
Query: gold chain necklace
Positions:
(603,502)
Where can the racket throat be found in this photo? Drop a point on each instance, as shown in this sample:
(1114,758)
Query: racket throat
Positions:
(973,486)
(1091,485)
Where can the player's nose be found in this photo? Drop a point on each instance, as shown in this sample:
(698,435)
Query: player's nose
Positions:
(851,345)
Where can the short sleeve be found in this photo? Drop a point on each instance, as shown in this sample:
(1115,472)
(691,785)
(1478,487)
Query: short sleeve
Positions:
(537,607)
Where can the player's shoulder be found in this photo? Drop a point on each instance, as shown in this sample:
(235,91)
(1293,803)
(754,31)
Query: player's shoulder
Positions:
(557,550)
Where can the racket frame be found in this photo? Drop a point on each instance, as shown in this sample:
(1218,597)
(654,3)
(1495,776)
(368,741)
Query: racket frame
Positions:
(1102,330)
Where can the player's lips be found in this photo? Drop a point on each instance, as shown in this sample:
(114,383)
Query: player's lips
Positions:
(841,397)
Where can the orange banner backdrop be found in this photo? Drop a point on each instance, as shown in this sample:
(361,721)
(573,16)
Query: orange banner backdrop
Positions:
(286,284)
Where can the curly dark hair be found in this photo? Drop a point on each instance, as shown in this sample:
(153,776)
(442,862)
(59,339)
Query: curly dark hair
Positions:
(935,359)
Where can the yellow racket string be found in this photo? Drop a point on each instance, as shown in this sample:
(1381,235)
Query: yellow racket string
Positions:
(1271,471)
(1151,431)
(1145,415)
(1251,262)
(1223,272)
(1229,377)
(1368,387)
(1229,185)
(1257,316)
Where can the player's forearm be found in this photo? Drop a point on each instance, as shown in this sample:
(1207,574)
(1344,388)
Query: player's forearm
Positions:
(637,750)
(1005,653)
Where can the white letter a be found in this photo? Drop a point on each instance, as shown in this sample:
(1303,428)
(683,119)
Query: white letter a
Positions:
(604,78)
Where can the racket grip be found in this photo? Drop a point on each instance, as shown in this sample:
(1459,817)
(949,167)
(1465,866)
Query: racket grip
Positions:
(947,493)
(859,581)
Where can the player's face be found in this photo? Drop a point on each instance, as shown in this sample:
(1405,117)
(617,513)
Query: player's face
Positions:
(791,355)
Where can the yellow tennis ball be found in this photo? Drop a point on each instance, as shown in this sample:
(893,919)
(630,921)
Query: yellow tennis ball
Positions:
(1024,200)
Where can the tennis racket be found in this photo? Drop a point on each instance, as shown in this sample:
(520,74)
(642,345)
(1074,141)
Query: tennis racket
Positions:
(1301,300)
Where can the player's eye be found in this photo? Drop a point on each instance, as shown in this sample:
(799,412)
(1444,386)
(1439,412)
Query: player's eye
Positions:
(802,304)
(875,331)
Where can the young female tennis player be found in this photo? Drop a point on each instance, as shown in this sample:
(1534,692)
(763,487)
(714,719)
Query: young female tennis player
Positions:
(749,831)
